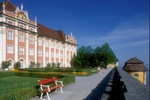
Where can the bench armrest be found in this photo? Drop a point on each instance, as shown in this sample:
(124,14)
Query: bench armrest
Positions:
(47,86)
(61,82)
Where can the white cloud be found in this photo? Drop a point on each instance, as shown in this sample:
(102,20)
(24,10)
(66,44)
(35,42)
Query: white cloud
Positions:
(126,34)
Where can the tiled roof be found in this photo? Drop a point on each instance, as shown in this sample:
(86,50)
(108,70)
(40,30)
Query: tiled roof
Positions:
(134,61)
(42,30)
(134,64)
(8,6)
(45,31)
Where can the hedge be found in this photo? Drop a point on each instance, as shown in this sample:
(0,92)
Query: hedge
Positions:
(30,92)
(38,75)
(6,73)
(65,78)
(51,70)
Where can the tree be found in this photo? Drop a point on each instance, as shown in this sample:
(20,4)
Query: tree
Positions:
(108,55)
(100,56)
(5,64)
(17,65)
(49,65)
(75,62)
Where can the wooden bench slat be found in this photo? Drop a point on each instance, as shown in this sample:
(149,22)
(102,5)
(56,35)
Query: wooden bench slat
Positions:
(47,81)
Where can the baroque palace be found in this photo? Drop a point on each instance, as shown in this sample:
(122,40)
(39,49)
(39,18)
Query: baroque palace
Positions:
(24,40)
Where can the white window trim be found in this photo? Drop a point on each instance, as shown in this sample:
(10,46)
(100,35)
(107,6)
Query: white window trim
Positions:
(39,52)
(21,37)
(31,39)
(40,42)
(8,35)
(21,26)
(31,52)
(46,44)
(10,50)
(21,50)
(10,22)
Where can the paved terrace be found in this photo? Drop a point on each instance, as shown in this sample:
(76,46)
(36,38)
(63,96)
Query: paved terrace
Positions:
(79,90)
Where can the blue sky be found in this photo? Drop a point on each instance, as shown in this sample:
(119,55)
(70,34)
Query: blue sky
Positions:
(123,24)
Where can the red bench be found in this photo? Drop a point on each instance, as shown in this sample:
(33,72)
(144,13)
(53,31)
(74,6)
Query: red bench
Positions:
(47,88)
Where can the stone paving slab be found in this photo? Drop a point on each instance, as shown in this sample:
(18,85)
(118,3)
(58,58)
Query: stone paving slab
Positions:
(78,90)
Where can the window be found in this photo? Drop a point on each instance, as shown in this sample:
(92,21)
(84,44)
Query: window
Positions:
(46,43)
(52,54)
(10,35)
(40,42)
(31,29)
(52,45)
(40,53)
(56,46)
(21,63)
(61,55)
(56,55)
(22,26)
(31,52)
(21,50)
(60,47)
(11,64)
(10,22)
(31,40)
(136,75)
(46,54)
(10,49)
(21,39)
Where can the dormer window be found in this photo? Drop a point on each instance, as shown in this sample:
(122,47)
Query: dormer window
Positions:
(10,22)
(21,26)
(31,29)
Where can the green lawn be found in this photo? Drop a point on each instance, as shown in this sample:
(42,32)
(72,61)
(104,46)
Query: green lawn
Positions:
(12,83)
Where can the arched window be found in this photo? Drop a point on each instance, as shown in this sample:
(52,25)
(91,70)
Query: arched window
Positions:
(11,63)
(21,63)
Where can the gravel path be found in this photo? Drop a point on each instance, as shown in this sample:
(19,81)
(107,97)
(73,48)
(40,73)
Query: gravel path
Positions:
(78,90)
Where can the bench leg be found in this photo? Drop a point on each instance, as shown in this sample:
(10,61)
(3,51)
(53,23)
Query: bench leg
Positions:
(41,95)
(61,89)
(56,90)
(48,96)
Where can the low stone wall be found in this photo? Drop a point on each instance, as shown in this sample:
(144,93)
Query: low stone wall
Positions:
(135,90)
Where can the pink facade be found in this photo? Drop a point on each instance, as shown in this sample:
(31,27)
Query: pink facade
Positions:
(24,40)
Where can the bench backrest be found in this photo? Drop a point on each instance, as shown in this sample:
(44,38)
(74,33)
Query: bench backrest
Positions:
(47,80)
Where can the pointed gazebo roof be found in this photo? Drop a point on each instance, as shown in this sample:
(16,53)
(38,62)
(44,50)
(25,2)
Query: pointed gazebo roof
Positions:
(134,64)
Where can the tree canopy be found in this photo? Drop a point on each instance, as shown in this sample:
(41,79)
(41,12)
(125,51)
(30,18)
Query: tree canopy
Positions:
(100,56)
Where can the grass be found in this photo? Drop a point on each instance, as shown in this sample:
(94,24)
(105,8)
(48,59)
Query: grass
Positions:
(12,83)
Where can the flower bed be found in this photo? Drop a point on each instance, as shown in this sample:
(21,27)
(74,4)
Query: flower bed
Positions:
(80,73)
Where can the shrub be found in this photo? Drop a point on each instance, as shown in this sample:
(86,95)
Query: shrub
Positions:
(58,64)
(53,64)
(17,65)
(32,64)
(48,65)
(38,64)
(5,64)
